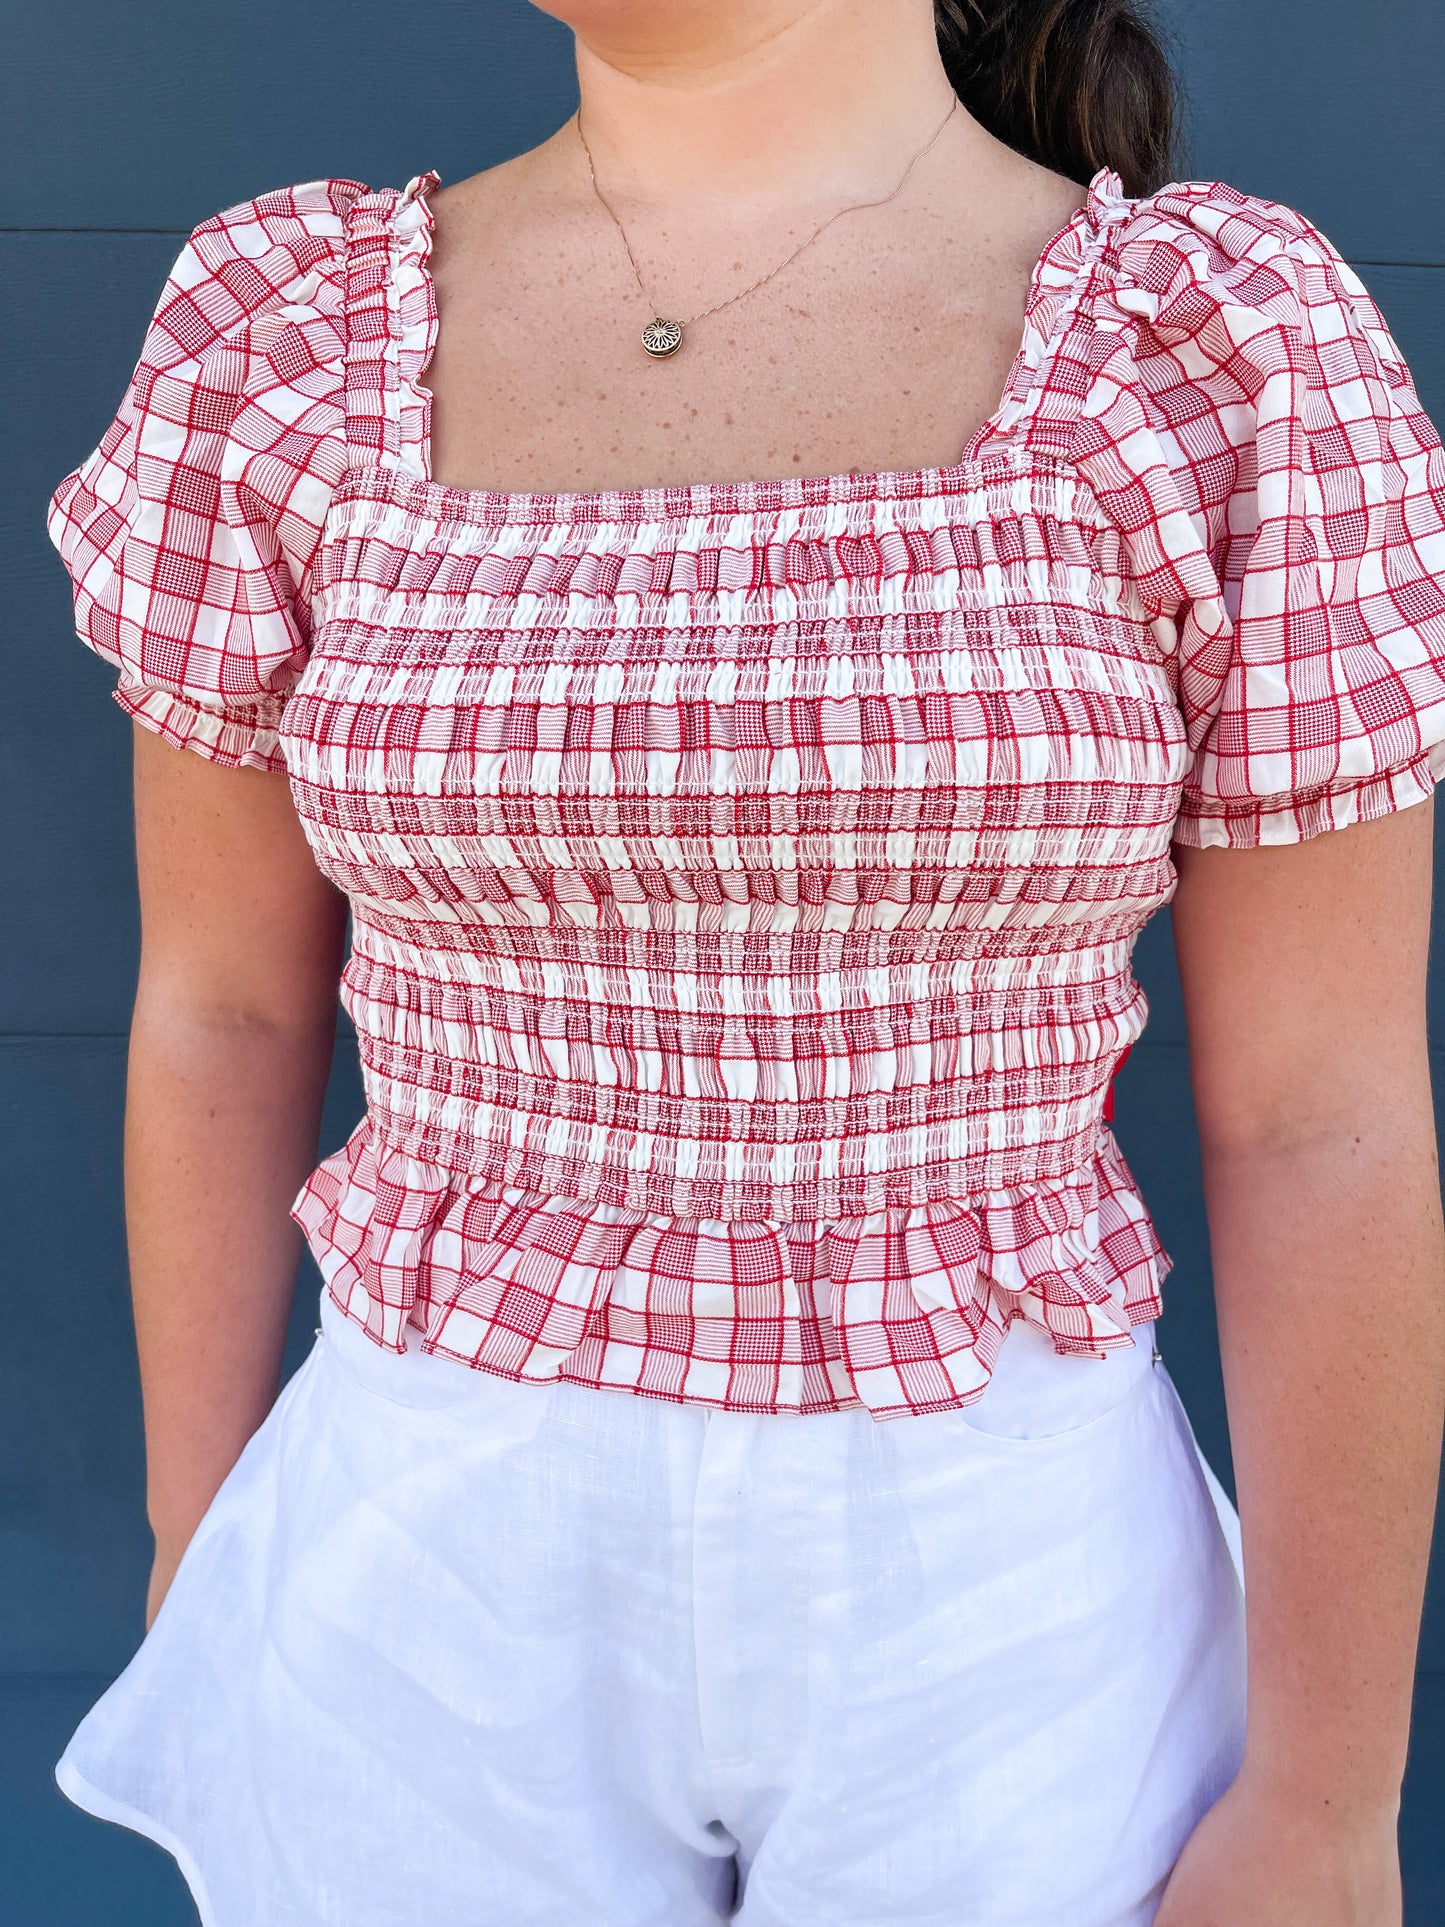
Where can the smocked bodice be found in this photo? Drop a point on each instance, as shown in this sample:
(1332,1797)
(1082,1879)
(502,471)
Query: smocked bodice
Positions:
(774,861)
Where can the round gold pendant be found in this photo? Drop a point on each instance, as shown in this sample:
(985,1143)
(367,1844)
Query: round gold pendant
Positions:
(662,338)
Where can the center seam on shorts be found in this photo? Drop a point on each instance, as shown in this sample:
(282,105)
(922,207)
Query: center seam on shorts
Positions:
(718,1593)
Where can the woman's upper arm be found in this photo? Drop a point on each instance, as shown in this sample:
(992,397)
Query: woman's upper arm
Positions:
(1303,969)
(238,924)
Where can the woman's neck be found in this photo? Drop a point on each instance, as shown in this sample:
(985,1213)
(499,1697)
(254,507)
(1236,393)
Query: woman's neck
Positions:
(763,103)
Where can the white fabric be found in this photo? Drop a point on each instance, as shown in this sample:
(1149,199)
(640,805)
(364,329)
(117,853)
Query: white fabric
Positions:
(982,1668)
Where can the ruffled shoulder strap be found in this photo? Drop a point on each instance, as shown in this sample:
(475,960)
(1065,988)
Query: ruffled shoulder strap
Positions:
(1048,377)
(391,316)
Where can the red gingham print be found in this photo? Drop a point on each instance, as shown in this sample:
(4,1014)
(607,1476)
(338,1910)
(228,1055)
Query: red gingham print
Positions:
(904,1308)
(744,876)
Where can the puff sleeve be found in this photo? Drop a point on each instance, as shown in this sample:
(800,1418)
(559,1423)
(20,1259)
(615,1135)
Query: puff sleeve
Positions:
(1254,428)
(189,533)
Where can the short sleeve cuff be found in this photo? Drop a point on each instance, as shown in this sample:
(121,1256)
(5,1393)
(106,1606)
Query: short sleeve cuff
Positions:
(1205,823)
(235,741)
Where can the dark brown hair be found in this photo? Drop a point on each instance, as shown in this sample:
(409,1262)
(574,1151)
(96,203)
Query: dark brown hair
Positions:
(1075,84)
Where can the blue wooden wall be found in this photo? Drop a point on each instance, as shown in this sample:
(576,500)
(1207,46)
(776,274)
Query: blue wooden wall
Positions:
(120,127)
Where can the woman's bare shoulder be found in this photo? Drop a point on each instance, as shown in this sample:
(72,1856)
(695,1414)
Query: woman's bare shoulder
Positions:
(525,182)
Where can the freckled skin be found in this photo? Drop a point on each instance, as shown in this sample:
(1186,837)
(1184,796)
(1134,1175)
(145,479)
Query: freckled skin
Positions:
(542,383)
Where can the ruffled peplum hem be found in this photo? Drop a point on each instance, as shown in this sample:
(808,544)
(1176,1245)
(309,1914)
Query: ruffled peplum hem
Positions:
(902,1310)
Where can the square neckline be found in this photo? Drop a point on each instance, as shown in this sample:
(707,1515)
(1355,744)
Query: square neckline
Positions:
(671,501)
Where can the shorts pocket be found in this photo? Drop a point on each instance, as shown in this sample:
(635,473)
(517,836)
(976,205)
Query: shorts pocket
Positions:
(413,1380)
(1039,1397)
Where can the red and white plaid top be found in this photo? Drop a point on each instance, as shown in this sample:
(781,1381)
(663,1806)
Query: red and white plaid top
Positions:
(745,875)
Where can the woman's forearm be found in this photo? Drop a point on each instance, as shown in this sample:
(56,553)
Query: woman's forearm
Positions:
(1328,1265)
(221,1128)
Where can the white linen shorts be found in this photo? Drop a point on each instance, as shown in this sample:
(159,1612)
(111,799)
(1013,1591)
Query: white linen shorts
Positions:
(449,1651)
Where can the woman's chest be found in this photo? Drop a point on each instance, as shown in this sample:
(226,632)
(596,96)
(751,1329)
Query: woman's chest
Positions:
(888,344)
(929,712)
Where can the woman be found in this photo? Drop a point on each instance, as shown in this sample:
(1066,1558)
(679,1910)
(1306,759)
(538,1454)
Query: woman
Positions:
(743,600)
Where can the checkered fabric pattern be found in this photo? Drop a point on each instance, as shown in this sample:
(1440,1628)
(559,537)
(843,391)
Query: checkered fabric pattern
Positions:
(744,876)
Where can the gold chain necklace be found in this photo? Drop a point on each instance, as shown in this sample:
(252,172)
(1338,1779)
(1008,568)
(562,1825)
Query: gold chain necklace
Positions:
(661,338)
